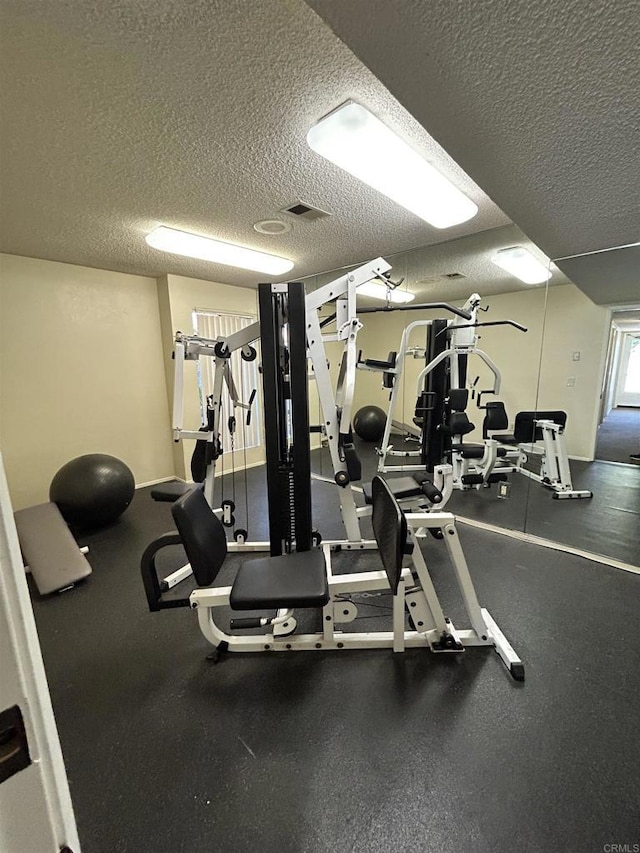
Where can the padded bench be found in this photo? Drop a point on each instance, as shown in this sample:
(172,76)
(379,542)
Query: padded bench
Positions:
(403,488)
(169,492)
(476,451)
(49,549)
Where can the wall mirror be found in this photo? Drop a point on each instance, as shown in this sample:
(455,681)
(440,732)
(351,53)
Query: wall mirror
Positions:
(575,367)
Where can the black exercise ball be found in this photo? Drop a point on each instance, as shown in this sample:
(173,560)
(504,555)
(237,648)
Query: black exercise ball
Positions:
(369,423)
(92,490)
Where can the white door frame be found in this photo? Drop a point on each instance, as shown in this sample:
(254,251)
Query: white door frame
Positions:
(623,398)
(35,805)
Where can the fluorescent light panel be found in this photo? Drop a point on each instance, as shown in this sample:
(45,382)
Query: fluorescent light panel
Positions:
(379,291)
(206,249)
(521,263)
(358,142)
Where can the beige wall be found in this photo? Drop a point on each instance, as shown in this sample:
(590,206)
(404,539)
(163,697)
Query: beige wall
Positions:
(80,372)
(85,365)
(575,324)
(572,323)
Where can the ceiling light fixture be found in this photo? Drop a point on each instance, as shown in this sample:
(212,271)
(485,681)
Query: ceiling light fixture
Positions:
(205,249)
(521,263)
(380,291)
(358,142)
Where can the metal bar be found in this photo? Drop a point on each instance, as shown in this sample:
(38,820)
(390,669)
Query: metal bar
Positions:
(424,306)
(299,390)
(271,395)
(339,286)
(178,387)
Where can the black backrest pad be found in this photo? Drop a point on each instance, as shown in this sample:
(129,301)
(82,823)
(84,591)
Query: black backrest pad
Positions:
(524,430)
(459,424)
(390,530)
(202,535)
(458,399)
(495,417)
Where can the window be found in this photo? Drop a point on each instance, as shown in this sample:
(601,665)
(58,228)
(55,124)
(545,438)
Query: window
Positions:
(210,324)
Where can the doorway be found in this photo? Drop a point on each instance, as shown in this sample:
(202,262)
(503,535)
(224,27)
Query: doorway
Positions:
(619,430)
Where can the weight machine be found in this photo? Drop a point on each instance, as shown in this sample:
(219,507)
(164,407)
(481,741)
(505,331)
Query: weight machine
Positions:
(449,345)
(441,416)
(208,447)
(298,573)
(529,428)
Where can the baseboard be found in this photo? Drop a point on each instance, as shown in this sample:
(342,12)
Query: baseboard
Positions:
(219,473)
(550,543)
(156,482)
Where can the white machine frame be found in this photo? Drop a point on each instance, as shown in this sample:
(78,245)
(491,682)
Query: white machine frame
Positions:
(416,596)
(554,473)
(463,341)
(191,348)
(336,406)
(36,813)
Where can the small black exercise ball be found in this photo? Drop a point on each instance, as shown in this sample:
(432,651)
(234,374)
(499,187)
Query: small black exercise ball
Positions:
(369,423)
(92,490)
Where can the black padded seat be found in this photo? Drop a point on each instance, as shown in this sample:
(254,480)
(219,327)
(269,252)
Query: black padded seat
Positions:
(469,451)
(170,492)
(505,438)
(476,451)
(401,487)
(292,580)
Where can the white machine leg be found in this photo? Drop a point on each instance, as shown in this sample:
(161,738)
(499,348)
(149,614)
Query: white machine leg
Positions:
(504,648)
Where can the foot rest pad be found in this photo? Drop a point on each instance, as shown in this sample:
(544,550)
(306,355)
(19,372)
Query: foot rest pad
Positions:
(401,487)
(169,492)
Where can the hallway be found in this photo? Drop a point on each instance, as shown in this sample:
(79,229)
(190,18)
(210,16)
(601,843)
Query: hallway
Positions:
(619,435)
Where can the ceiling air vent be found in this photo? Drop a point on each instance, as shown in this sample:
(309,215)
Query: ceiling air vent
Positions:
(302,210)
(454,275)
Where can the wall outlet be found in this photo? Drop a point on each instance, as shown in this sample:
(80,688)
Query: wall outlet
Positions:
(576,356)
(571,381)
(504,490)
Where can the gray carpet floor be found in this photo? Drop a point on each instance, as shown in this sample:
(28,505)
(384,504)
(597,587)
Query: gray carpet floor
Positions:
(619,435)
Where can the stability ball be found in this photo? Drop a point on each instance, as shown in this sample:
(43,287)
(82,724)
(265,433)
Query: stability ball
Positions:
(92,490)
(369,423)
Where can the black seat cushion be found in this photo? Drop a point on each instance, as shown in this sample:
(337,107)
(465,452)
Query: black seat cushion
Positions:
(170,492)
(293,580)
(469,451)
(505,438)
(401,487)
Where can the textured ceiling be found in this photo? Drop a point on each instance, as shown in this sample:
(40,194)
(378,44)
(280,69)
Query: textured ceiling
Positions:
(611,277)
(119,116)
(424,269)
(538,102)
